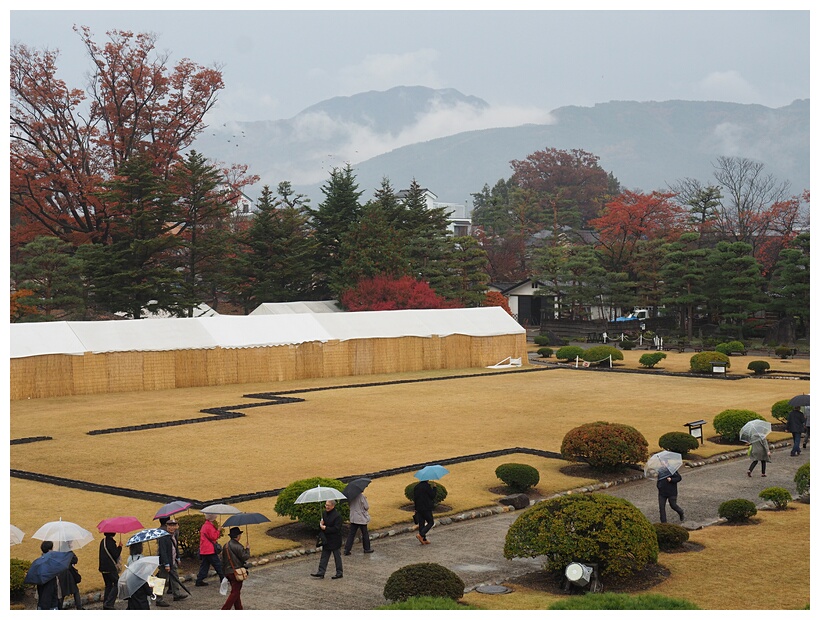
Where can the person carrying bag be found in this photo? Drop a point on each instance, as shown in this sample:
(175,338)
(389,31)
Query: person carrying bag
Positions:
(234,556)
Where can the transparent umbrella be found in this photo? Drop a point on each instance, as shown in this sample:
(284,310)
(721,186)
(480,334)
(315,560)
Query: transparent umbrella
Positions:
(136,574)
(662,464)
(755,430)
(65,535)
(16,535)
(319,494)
(220,509)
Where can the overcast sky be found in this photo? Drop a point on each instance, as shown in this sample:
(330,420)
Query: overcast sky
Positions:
(524,63)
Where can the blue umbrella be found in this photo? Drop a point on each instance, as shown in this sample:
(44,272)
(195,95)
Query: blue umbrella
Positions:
(48,566)
(431,472)
(152,533)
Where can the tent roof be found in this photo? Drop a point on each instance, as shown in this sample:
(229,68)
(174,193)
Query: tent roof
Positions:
(297,307)
(79,337)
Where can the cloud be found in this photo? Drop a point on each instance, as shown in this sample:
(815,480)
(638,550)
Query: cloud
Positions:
(726,86)
(384,71)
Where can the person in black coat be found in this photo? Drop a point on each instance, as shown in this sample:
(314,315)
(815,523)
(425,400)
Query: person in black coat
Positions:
(168,561)
(110,552)
(331,525)
(795,424)
(668,491)
(424,499)
(48,593)
(69,579)
(139,599)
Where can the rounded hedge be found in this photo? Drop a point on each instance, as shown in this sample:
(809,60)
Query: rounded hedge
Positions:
(584,528)
(614,600)
(650,359)
(309,514)
(545,352)
(670,536)
(780,410)
(425,579)
(782,351)
(17,574)
(569,353)
(677,441)
(723,347)
(729,422)
(541,340)
(600,353)
(188,534)
(759,367)
(441,492)
(801,479)
(518,476)
(737,510)
(626,344)
(605,446)
(779,496)
(702,362)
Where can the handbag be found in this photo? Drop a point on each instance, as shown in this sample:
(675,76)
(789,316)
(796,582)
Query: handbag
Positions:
(75,574)
(320,541)
(240,574)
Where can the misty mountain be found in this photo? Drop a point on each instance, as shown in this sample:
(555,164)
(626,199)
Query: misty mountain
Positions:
(646,145)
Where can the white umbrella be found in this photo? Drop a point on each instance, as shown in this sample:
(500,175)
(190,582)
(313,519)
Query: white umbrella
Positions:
(16,535)
(220,509)
(663,464)
(136,574)
(754,430)
(65,535)
(319,494)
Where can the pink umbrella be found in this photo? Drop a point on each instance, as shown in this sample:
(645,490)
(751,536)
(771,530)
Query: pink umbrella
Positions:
(120,525)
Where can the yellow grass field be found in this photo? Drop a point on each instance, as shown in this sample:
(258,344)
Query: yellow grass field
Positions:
(340,432)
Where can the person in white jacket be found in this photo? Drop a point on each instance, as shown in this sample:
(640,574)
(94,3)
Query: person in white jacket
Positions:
(359,518)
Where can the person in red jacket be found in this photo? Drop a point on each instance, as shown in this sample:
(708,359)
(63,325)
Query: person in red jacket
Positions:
(208,554)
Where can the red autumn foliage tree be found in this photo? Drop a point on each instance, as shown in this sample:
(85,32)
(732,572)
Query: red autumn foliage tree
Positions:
(632,218)
(494,298)
(66,143)
(389,293)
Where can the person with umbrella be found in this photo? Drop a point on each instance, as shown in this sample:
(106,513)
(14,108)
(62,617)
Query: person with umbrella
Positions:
(424,499)
(331,526)
(359,515)
(43,572)
(806,412)
(795,424)
(208,552)
(668,492)
(234,556)
(759,451)
(69,579)
(133,585)
(168,561)
(110,551)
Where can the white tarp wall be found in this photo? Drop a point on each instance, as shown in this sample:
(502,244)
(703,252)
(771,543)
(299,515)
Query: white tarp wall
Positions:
(79,337)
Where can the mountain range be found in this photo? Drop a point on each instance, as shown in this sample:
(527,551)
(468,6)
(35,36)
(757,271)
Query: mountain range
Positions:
(444,140)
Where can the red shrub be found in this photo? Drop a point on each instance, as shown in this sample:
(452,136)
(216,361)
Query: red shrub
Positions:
(388,293)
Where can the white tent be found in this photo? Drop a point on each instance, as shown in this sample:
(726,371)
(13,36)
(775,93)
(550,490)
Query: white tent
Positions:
(79,337)
(297,307)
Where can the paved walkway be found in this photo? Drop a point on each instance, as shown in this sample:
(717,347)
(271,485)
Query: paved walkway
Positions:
(473,548)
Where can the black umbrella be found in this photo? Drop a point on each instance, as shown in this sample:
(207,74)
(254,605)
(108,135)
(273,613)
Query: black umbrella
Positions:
(355,488)
(245,518)
(48,566)
(799,401)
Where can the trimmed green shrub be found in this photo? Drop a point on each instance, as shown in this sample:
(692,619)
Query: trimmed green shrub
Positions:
(605,446)
(18,571)
(679,442)
(737,510)
(780,410)
(729,422)
(585,528)
(309,514)
(423,603)
(545,352)
(441,492)
(541,340)
(723,347)
(614,600)
(188,534)
(759,367)
(670,536)
(650,359)
(425,579)
(601,352)
(569,352)
(782,351)
(779,496)
(517,476)
(801,479)
(733,346)
(702,362)
(626,344)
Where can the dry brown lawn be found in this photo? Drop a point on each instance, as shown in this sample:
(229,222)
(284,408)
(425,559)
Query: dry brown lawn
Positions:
(341,432)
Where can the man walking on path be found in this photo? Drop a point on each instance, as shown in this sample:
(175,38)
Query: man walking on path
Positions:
(331,525)
(359,518)
(168,560)
(795,424)
(110,552)
(668,491)
(424,498)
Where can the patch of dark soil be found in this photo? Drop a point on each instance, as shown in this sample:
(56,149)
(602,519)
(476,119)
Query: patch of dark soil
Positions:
(582,470)
(505,490)
(648,578)
(297,532)
(686,547)
(723,442)
(439,508)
